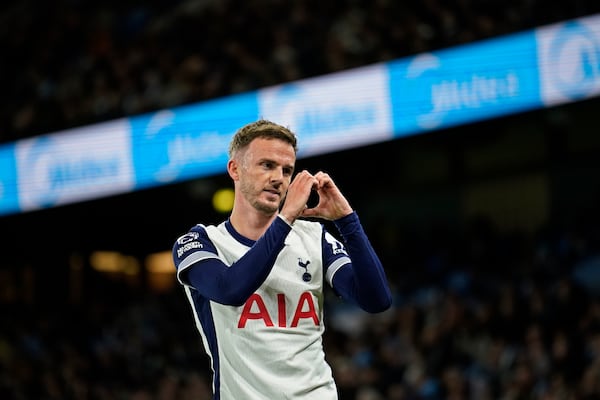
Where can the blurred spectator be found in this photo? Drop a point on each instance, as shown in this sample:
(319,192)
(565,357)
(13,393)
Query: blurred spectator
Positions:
(68,63)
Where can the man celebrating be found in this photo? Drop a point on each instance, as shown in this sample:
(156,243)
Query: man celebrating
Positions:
(255,282)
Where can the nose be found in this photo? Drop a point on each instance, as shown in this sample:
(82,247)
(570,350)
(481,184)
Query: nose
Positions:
(277,175)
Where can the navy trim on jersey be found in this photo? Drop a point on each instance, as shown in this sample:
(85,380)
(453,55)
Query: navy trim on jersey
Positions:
(205,318)
(237,236)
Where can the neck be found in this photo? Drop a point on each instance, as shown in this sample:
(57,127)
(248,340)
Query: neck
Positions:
(251,223)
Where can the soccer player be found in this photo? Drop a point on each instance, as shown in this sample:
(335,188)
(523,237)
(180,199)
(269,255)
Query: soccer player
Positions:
(255,282)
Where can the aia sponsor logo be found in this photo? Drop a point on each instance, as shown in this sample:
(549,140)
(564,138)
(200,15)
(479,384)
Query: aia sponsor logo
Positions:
(255,311)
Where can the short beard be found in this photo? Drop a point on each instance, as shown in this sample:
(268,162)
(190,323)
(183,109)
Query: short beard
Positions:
(247,190)
(268,210)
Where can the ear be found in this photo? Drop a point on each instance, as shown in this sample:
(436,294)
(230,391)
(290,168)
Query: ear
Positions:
(233,169)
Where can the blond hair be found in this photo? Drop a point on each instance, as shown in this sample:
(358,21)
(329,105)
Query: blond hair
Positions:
(261,129)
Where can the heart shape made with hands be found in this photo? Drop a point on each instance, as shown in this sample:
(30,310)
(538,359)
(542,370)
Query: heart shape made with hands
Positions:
(313,199)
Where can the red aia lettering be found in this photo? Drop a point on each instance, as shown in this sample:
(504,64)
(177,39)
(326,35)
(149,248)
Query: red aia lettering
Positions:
(305,298)
(262,312)
(304,309)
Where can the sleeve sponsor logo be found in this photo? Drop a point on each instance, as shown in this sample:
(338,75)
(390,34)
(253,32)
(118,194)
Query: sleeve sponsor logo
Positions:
(187,247)
(337,248)
(188,237)
(188,242)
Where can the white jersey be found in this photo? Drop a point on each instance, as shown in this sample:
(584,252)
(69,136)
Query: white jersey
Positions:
(269,348)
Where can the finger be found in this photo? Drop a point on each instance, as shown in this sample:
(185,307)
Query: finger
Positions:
(305,178)
(323,179)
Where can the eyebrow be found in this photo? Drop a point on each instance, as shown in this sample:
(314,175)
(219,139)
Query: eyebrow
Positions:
(269,159)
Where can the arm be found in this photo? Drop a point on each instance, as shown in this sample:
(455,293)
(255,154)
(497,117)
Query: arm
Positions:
(362,281)
(231,285)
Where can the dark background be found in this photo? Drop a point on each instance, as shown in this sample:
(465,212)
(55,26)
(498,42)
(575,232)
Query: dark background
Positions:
(489,232)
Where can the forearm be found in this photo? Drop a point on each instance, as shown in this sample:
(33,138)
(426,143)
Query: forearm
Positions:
(365,282)
(232,285)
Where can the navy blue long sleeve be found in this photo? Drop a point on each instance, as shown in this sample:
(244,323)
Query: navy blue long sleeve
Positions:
(363,281)
(232,285)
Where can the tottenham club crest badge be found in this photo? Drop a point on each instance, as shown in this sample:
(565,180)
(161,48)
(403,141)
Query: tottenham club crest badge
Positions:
(306,276)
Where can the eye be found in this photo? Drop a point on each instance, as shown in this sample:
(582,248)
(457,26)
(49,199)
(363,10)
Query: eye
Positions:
(288,171)
(268,164)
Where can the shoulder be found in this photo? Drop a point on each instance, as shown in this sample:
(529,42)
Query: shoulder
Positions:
(197,240)
(197,233)
(192,234)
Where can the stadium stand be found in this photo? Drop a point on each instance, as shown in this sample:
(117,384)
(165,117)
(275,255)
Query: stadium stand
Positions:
(479,313)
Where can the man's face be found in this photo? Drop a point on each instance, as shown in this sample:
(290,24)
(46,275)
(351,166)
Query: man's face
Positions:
(265,172)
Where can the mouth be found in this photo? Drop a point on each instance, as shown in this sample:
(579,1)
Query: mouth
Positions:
(273,193)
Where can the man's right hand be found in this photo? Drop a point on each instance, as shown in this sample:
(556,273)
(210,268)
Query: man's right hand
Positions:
(297,196)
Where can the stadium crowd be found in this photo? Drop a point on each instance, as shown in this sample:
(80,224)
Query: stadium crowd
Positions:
(477,315)
(68,63)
